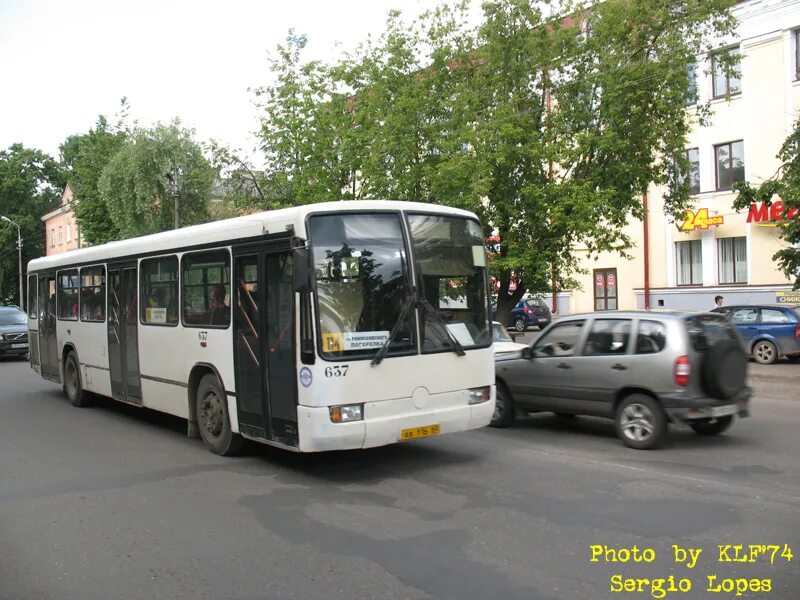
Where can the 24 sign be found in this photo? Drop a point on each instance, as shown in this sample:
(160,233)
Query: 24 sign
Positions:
(700,220)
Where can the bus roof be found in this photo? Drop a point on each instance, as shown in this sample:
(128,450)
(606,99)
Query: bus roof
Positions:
(238,228)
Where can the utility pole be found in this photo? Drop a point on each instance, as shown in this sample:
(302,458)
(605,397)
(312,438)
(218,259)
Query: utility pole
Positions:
(173,184)
(19,258)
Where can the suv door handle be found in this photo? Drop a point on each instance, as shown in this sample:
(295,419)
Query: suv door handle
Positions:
(619,367)
(563,366)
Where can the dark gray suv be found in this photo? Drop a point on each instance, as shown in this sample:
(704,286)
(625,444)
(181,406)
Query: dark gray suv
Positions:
(643,369)
(13,331)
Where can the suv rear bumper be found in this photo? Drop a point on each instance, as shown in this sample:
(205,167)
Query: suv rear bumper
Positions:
(685,408)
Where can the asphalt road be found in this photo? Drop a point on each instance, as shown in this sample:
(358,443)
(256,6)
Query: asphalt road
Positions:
(115,502)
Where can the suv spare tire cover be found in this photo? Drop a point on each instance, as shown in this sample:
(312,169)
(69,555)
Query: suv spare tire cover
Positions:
(724,371)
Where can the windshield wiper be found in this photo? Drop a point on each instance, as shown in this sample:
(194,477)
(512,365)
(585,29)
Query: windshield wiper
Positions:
(456,344)
(381,353)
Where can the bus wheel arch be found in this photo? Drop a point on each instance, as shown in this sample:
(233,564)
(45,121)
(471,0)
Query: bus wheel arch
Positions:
(204,379)
(71,381)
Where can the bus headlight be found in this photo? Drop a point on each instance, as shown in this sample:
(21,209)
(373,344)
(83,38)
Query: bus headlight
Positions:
(480,395)
(347,413)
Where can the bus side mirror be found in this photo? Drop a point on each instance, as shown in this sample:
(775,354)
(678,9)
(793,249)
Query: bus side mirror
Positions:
(301,273)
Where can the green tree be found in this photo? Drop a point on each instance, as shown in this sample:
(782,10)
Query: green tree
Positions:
(31,182)
(304,121)
(155,170)
(86,156)
(784,186)
(549,126)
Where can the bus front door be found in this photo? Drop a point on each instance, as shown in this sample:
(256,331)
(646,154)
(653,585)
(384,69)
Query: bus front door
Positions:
(264,345)
(123,341)
(48,345)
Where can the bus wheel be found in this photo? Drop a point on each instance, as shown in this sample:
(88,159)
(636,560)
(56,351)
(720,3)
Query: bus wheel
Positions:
(213,420)
(73,387)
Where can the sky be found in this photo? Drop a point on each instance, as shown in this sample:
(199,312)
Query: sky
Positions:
(63,63)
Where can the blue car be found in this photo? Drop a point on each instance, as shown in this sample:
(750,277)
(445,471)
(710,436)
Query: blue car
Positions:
(528,312)
(769,332)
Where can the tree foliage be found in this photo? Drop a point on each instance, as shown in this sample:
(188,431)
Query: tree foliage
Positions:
(86,155)
(31,182)
(784,186)
(549,126)
(153,169)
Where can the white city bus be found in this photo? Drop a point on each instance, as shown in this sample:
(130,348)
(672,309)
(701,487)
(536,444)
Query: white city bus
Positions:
(323,327)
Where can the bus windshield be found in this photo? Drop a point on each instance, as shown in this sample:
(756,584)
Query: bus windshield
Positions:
(364,292)
(362,284)
(450,264)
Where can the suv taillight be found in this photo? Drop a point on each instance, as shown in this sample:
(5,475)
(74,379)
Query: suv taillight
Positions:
(797,332)
(682,371)
(527,310)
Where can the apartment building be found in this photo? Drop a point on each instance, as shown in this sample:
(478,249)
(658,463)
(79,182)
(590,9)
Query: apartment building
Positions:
(715,250)
(61,229)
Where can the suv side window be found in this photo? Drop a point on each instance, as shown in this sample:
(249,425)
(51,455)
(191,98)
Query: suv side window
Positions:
(773,315)
(744,315)
(651,337)
(608,337)
(559,341)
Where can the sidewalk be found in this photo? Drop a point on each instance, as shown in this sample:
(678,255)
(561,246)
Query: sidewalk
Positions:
(781,371)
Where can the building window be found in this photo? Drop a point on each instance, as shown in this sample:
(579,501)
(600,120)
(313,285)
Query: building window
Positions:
(69,233)
(93,294)
(692,156)
(689,257)
(732,254)
(53,237)
(605,289)
(797,53)
(725,84)
(60,235)
(159,281)
(729,160)
(693,92)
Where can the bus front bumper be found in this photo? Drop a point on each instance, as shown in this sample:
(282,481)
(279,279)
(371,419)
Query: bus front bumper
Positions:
(386,421)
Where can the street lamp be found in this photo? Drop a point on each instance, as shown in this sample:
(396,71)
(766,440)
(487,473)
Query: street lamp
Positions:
(19,256)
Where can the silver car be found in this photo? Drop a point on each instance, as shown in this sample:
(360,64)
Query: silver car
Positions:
(643,369)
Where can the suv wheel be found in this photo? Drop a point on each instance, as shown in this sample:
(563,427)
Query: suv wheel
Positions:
(641,422)
(711,426)
(503,407)
(519,324)
(765,352)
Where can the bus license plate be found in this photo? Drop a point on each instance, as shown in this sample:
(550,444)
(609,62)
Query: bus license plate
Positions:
(15,346)
(420,432)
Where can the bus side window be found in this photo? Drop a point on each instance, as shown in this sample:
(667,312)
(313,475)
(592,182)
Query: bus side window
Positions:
(33,290)
(159,291)
(206,289)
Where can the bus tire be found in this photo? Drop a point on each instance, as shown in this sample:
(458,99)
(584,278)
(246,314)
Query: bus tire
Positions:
(73,386)
(213,420)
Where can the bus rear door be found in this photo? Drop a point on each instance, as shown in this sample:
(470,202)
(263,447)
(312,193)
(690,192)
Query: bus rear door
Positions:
(48,344)
(123,339)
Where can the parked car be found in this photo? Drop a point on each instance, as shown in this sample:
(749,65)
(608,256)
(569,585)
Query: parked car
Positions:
(13,331)
(641,369)
(528,312)
(769,332)
(502,341)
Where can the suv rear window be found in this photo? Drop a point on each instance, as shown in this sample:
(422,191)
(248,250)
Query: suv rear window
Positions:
(706,330)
